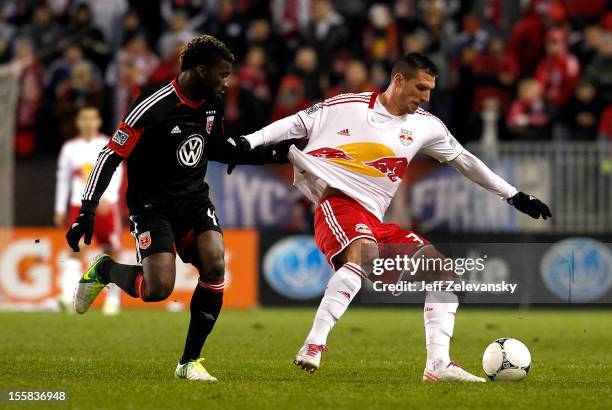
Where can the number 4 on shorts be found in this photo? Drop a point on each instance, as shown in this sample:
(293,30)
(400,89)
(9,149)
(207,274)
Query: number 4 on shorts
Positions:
(211,214)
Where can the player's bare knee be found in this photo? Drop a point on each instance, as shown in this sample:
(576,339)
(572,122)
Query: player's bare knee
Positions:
(361,252)
(156,293)
(157,289)
(213,271)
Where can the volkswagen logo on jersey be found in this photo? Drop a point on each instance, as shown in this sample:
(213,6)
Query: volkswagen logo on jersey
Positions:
(578,269)
(296,269)
(190,151)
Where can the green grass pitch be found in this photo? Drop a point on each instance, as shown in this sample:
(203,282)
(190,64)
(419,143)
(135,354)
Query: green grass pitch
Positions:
(375,360)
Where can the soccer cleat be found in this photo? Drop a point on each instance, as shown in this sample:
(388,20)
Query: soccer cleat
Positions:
(90,285)
(452,372)
(193,370)
(309,357)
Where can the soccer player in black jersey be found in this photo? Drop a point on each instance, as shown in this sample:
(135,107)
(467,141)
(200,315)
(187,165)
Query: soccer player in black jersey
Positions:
(166,138)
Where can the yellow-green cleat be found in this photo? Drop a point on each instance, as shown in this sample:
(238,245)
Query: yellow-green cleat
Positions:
(90,285)
(193,370)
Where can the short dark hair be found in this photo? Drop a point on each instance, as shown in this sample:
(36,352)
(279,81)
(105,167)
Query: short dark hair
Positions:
(410,63)
(88,106)
(204,50)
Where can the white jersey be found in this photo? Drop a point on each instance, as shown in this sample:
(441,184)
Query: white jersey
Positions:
(76,161)
(358,147)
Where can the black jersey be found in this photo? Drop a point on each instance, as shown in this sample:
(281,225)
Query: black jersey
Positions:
(163,136)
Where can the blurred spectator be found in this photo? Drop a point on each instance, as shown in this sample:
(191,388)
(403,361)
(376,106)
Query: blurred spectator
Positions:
(591,9)
(306,68)
(43,32)
(229,26)
(529,117)
(106,15)
(558,71)
(290,18)
(379,76)
(58,73)
(472,40)
(82,31)
(495,73)
(599,72)
(177,32)
(168,68)
(84,89)
(196,11)
(30,97)
(129,71)
(381,38)
(5,50)
(581,113)
(586,49)
(253,76)
(132,26)
(259,34)
(355,81)
(7,30)
(243,113)
(326,32)
(290,99)
(526,41)
(604,130)
(441,31)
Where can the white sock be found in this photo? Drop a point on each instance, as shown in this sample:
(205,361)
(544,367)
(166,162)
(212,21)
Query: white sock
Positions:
(439,317)
(71,273)
(341,289)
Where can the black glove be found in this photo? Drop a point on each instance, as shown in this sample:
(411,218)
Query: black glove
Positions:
(83,225)
(276,154)
(241,143)
(530,205)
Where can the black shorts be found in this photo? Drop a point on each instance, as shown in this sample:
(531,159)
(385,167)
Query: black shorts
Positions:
(173,227)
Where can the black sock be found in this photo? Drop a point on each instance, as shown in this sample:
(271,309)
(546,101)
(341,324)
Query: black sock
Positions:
(205,308)
(121,275)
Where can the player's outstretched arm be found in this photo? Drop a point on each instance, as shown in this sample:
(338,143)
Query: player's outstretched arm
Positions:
(477,171)
(98,181)
(229,152)
(288,128)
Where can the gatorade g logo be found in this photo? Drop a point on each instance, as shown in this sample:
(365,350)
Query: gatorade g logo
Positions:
(366,158)
(190,151)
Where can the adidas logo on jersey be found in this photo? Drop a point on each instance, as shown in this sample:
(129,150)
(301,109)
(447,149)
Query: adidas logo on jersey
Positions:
(175,130)
(344,132)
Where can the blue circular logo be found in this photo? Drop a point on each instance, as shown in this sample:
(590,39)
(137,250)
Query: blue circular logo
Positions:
(577,269)
(296,269)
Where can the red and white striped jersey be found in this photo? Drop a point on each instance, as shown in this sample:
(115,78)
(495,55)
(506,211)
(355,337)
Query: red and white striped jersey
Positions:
(358,147)
(75,164)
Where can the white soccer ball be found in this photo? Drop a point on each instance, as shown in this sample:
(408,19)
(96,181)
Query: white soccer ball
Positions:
(506,360)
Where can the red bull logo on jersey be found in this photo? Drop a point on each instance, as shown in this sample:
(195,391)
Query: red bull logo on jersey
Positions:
(393,168)
(406,137)
(365,158)
(330,153)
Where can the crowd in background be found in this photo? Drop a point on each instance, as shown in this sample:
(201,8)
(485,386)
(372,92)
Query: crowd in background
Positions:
(538,69)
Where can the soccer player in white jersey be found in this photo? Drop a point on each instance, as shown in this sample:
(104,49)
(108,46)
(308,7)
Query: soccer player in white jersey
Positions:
(76,161)
(358,147)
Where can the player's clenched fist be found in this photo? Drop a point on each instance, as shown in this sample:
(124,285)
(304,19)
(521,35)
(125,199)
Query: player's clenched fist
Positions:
(530,205)
(83,225)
